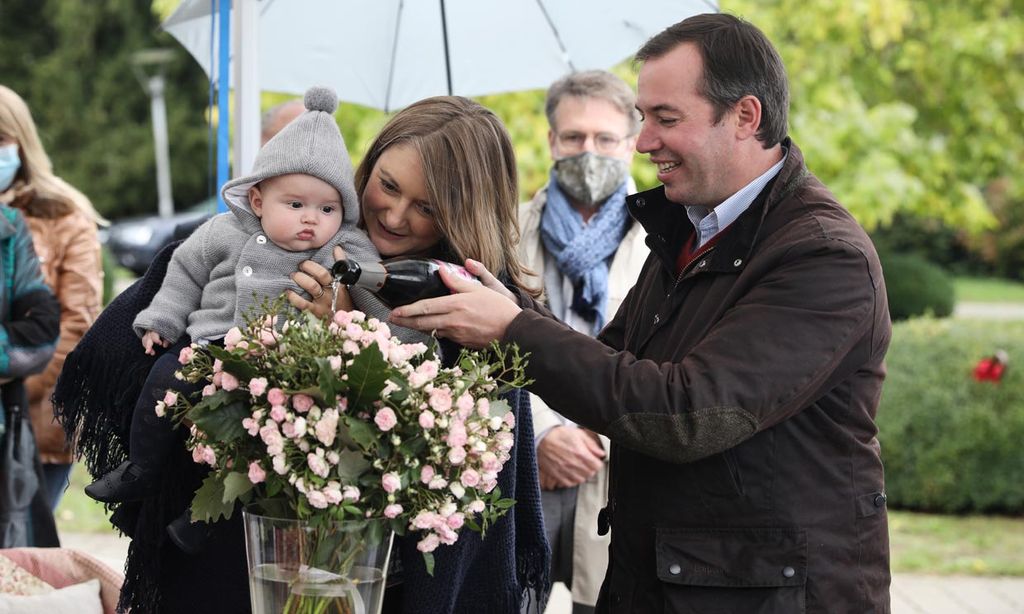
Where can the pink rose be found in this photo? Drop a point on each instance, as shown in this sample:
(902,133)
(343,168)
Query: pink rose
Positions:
(470,478)
(209,390)
(218,366)
(457,434)
(483,407)
(170,397)
(393,510)
(316,499)
(257,386)
(185,355)
(280,464)
(268,337)
(457,455)
(510,420)
(428,543)
(276,396)
(391,482)
(232,338)
(250,425)
(385,419)
(441,399)
(335,362)
(228,382)
(342,318)
(489,462)
(160,409)
(465,405)
(476,506)
(427,419)
(277,413)
(302,402)
(327,427)
(455,521)
(318,465)
(350,493)
(426,474)
(333,493)
(256,473)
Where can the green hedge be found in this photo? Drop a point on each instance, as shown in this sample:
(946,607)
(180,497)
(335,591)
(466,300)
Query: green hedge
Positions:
(949,443)
(916,287)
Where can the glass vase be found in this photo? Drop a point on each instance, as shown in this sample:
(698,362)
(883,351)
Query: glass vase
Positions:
(319,566)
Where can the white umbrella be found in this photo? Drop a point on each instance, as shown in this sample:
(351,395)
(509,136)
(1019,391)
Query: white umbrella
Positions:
(389,53)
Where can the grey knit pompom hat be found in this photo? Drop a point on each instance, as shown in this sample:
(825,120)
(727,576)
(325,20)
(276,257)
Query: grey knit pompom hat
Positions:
(312,145)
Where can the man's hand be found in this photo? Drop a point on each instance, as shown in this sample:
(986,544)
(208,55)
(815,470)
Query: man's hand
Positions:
(151,339)
(473,316)
(316,280)
(568,456)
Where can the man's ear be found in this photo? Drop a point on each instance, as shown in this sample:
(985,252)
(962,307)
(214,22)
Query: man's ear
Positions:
(748,117)
(256,201)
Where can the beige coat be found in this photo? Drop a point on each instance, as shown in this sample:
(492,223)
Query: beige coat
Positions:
(590,550)
(66,243)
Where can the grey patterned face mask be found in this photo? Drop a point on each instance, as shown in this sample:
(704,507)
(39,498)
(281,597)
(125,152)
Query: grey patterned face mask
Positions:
(590,178)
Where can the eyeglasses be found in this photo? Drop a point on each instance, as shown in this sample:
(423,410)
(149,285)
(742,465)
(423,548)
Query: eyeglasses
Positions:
(574,142)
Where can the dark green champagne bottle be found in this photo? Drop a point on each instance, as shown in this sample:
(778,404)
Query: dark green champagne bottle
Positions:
(398,281)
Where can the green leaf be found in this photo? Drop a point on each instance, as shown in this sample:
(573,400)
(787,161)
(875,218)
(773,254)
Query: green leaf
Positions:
(236,484)
(351,465)
(366,377)
(224,424)
(412,447)
(361,433)
(499,408)
(331,387)
(428,560)
(233,364)
(208,503)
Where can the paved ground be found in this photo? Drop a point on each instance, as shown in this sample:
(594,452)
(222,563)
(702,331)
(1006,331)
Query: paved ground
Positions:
(911,593)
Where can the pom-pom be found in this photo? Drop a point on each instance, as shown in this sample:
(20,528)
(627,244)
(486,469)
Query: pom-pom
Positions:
(321,98)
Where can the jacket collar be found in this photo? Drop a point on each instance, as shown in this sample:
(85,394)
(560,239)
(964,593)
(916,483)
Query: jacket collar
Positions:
(668,227)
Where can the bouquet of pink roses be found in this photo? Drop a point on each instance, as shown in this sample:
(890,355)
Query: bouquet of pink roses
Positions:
(339,420)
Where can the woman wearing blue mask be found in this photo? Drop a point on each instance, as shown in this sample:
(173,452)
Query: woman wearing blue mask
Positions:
(62,223)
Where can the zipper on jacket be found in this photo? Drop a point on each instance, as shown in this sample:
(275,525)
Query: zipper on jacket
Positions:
(693,263)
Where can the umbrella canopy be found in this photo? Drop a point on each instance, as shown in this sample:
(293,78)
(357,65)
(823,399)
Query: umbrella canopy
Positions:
(389,53)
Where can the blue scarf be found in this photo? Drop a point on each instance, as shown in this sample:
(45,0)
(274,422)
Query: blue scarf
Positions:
(582,251)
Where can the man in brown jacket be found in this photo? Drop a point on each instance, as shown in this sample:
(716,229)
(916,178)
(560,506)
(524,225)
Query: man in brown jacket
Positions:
(739,380)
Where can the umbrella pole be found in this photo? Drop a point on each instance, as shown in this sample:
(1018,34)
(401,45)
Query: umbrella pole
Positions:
(447,57)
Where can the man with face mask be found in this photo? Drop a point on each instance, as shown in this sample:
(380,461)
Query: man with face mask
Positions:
(586,251)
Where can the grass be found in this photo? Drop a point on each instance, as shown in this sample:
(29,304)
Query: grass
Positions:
(77,513)
(971,545)
(921,543)
(988,290)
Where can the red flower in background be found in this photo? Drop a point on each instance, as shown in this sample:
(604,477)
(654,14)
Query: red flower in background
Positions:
(991,369)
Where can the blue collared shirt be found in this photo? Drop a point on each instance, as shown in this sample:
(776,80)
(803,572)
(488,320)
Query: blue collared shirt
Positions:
(710,222)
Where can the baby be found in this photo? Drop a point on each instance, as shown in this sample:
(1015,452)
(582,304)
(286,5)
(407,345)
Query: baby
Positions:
(298,203)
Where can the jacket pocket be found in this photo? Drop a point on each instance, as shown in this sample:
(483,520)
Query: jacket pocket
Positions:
(718,571)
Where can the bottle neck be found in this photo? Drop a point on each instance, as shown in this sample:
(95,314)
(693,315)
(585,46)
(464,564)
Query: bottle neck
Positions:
(373,275)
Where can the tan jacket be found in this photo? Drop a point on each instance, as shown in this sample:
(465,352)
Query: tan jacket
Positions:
(69,255)
(590,550)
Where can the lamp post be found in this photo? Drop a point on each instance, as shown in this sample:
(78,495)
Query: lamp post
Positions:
(149,66)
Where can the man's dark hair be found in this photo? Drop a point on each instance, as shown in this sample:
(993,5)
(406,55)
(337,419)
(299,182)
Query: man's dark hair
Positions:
(739,60)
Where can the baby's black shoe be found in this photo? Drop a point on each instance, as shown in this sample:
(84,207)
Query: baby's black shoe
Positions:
(189,536)
(129,482)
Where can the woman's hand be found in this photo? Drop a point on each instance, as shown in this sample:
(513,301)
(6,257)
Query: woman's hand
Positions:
(316,280)
(473,316)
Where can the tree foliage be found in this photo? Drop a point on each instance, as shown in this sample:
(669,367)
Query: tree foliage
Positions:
(906,109)
(72,63)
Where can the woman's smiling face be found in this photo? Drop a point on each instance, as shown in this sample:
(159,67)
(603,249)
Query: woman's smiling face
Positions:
(396,206)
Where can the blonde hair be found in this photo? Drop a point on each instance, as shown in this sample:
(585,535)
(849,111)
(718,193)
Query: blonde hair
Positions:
(36,169)
(471,178)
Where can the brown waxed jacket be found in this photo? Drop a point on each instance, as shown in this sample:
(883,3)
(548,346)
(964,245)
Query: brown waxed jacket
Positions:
(66,242)
(740,399)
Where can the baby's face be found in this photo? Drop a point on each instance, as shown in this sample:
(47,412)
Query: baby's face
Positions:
(298,212)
